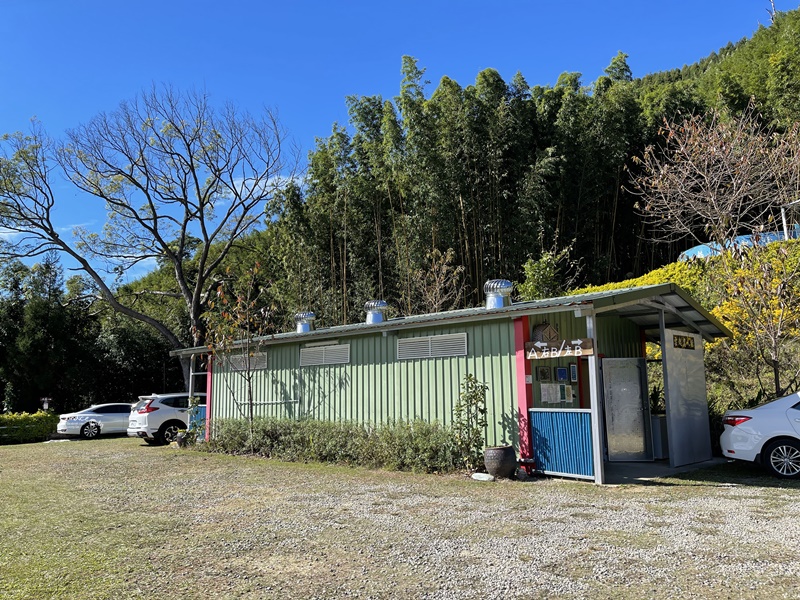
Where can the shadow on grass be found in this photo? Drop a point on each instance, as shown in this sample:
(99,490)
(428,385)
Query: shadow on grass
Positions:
(59,437)
(732,473)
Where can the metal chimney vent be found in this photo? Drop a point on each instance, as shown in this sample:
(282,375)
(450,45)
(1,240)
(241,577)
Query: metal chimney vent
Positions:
(305,321)
(498,293)
(375,310)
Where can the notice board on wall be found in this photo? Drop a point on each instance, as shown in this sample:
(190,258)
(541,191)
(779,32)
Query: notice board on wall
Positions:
(557,393)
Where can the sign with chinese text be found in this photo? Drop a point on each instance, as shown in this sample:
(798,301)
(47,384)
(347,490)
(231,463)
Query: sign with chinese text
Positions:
(559,348)
(684,342)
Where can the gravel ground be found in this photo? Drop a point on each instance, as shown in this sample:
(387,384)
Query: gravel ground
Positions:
(238,527)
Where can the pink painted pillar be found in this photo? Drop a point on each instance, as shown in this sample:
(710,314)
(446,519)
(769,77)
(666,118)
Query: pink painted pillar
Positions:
(209,366)
(522,334)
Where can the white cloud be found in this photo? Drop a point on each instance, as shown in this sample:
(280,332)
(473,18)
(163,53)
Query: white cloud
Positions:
(71,228)
(8,235)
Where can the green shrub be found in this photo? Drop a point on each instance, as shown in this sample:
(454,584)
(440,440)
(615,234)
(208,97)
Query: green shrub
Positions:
(469,421)
(230,436)
(417,446)
(20,428)
(344,443)
(691,275)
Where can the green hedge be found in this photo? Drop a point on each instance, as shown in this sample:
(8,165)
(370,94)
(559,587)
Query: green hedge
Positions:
(691,275)
(20,428)
(407,446)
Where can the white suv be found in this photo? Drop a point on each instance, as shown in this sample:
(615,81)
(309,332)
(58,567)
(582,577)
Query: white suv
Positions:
(158,418)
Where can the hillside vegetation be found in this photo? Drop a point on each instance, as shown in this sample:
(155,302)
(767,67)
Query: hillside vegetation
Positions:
(420,198)
(476,180)
(424,196)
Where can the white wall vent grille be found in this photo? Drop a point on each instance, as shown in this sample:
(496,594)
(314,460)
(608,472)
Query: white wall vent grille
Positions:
(434,346)
(337,354)
(239,362)
(258,361)
(410,348)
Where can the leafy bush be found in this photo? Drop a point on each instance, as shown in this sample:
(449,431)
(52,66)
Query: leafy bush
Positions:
(469,421)
(230,436)
(20,428)
(691,275)
(416,446)
(551,275)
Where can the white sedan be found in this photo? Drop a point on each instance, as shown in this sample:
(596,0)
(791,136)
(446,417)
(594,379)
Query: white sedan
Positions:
(769,434)
(91,422)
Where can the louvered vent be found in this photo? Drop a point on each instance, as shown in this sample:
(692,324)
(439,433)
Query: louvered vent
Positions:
(239,362)
(454,344)
(409,348)
(312,356)
(258,361)
(335,354)
(434,346)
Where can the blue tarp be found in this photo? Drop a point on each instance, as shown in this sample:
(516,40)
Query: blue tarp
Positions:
(706,250)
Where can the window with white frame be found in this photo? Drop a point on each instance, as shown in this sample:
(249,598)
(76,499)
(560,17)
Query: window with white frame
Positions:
(432,346)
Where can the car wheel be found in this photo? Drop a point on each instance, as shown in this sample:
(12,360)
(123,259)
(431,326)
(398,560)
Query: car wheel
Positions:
(782,459)
(91,430)
(168,432)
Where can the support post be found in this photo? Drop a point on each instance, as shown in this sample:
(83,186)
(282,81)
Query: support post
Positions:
(209,379)
(662,327)
(191,374)
(596,403)
(522,334)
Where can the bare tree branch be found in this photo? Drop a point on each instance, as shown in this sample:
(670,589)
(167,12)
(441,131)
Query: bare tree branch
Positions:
(177,177)
(715,178)
(718,178)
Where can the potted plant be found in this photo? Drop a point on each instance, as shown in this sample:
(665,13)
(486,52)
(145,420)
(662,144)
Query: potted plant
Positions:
(181,438)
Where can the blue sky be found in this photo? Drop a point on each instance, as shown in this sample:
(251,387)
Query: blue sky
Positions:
(66,60)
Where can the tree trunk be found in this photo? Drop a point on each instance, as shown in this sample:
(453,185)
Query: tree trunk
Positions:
(776,372)
(186,368)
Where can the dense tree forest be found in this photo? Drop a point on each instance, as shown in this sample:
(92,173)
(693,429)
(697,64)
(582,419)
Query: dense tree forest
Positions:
(56,344)
(418,200)
(498,173)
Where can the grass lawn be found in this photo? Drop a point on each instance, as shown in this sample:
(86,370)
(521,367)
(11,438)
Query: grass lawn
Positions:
(113,518)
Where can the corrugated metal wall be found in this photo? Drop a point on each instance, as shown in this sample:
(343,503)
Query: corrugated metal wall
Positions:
(618,337)
(375,387)
(562,442)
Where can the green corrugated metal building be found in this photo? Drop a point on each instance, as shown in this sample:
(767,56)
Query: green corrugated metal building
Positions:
(382,371)
(366,382)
